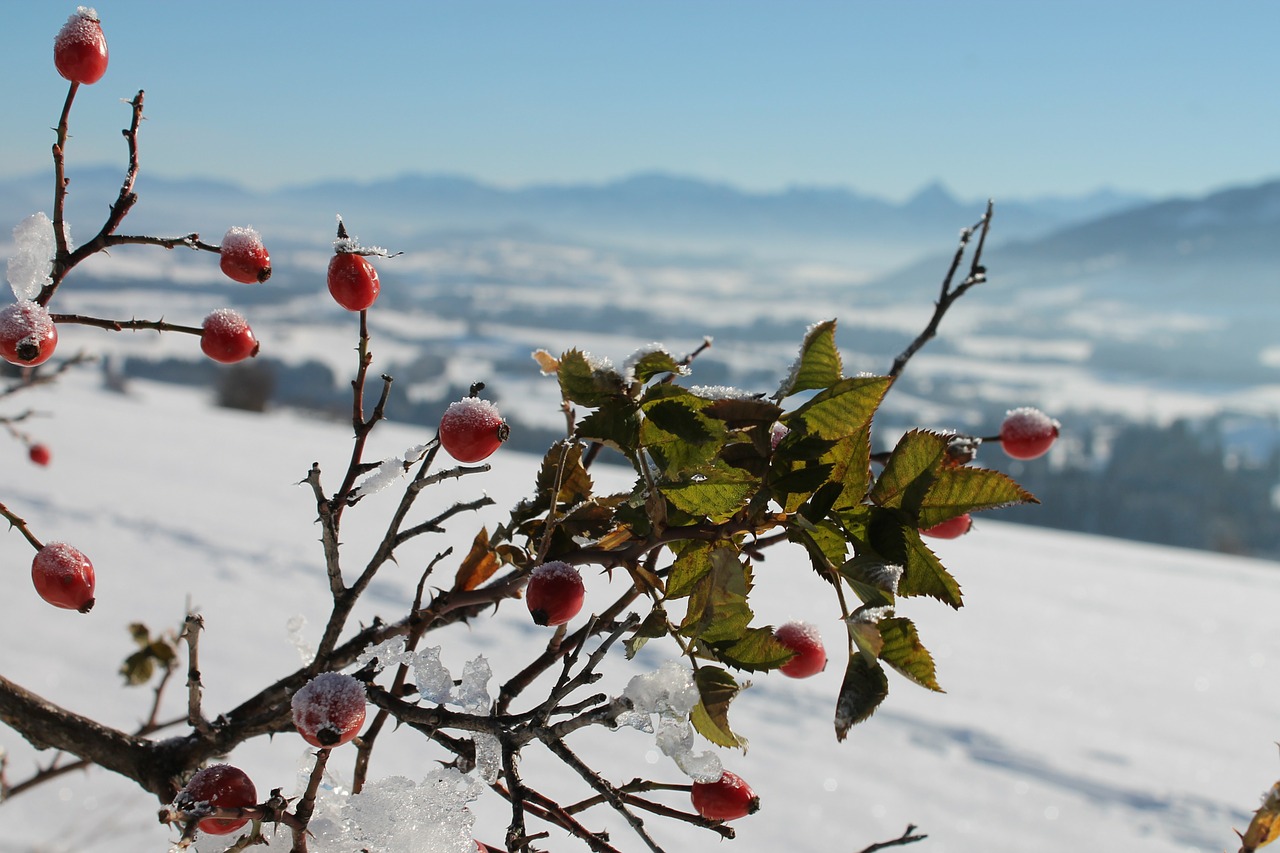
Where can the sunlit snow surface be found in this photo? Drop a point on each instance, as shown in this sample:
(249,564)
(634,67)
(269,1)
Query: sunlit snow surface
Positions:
(1101,695)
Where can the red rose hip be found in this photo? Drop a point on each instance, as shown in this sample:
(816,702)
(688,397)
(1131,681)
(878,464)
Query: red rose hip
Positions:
(28,335)
(471,429)
(225,337)
(39,454)
(803,639)
(329,710)
(728,798)
(80,48)
(554,593)
(243,258)
(353,282)
(221,786)
(952,528)
(1027,433)
(63,576)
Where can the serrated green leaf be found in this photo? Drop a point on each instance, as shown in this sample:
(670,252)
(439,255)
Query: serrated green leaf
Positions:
(718,609)
(904,652)
(679,437)
(741,414)
(795,487)
(864,687)
(655,363)
(691,564)
(843,409)
(818,365)
(912,469)
(615,424)
(710,717)
(584,384)
(893,538)
(960,490)
(715,493)
(758,649)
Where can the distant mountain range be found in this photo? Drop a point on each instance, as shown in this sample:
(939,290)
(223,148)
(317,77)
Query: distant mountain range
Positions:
(650,210)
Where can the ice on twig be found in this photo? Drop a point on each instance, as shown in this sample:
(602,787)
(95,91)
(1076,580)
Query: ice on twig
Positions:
(386,653)
(294,627)
(389,470)
(31,266)
(488,756)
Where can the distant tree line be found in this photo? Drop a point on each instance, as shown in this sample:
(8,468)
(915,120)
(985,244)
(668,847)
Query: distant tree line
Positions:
(1178,484)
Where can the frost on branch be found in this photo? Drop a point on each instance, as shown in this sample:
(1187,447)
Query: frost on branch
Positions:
(388,471)
(31,266)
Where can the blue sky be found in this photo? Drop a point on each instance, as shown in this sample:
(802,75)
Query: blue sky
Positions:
(1007,98)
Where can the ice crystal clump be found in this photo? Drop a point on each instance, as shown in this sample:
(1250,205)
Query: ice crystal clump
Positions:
(31,265)
(393,815)
(671,694)
(434,681)
(473,692)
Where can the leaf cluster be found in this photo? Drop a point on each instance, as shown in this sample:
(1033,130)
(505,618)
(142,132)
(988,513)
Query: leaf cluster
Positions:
(720,476)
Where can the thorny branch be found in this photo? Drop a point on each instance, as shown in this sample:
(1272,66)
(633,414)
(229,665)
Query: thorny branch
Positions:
(161,766)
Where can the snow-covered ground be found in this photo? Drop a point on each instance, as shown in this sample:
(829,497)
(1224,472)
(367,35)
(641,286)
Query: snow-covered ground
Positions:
(1101,695)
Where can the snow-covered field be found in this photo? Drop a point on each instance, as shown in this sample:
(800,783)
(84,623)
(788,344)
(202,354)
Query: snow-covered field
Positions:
(1101,695)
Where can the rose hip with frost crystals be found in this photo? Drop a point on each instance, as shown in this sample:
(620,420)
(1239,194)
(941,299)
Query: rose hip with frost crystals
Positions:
(329,710)
(242,257)
(80,48)
(728,798)
(1027,433)
(63,576)
(554,593)
(226,337)
(221,786)
(28,335)
(471,429)
(803,639)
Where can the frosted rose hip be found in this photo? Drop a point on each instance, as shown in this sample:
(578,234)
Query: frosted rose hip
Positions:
(226,337)
(63,576)
(28,335)
(728,798)
(243,258)
(330,709)
(471,429)
(222,786)
(555,593)
(1027,433)
(80,48)
(803,639)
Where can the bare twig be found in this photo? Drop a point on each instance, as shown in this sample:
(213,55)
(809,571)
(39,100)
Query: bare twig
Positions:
(191,633)
(907,837)
(948,296)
